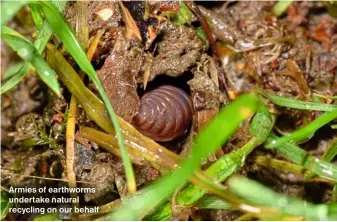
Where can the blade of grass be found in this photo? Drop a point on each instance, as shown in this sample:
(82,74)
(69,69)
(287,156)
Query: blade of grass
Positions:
(331,152)
(281,7)
(36,14)
(64,32)
(5,204)
(23,70)
(295,103)
(236,202)
(259,194)
(213,202)
(19,70)
(328,155)
(28,52)
(209,139)
(334,194)
(305,132)
(12,70)
(279,165)
(9,10)
(301,157)
(325,96)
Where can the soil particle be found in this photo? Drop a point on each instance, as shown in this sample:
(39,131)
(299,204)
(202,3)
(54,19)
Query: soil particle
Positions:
(179,49)
(323,71)
(205,92)
(84,158)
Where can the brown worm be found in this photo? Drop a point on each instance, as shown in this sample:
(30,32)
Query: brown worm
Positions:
(165,113)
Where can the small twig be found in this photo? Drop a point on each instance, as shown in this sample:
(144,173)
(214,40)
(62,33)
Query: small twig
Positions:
(196,11)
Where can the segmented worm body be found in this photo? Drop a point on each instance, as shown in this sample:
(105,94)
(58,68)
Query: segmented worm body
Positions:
(165,113)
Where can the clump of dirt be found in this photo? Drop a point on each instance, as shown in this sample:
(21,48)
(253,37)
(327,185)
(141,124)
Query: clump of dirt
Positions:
(118,76)
(179,49)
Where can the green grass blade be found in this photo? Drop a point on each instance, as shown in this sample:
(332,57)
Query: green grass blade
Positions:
(331,152)
(13,70)
(36,14)
(261,125)
(64,32)
(9,10)
(297,104)
(46,32)
(325,97)
(281,7)
(328,155)
(334,126)
(5,204)
(286,166)
(28,52)
(303,158)
(259,194)
(304,132)
(334,194)
(209,139)
(20,74)
(213,202)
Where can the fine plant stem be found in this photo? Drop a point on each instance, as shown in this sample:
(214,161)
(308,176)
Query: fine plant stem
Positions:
(304,132)
(331,152)
(279,165)
(295,103)
(325,96)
